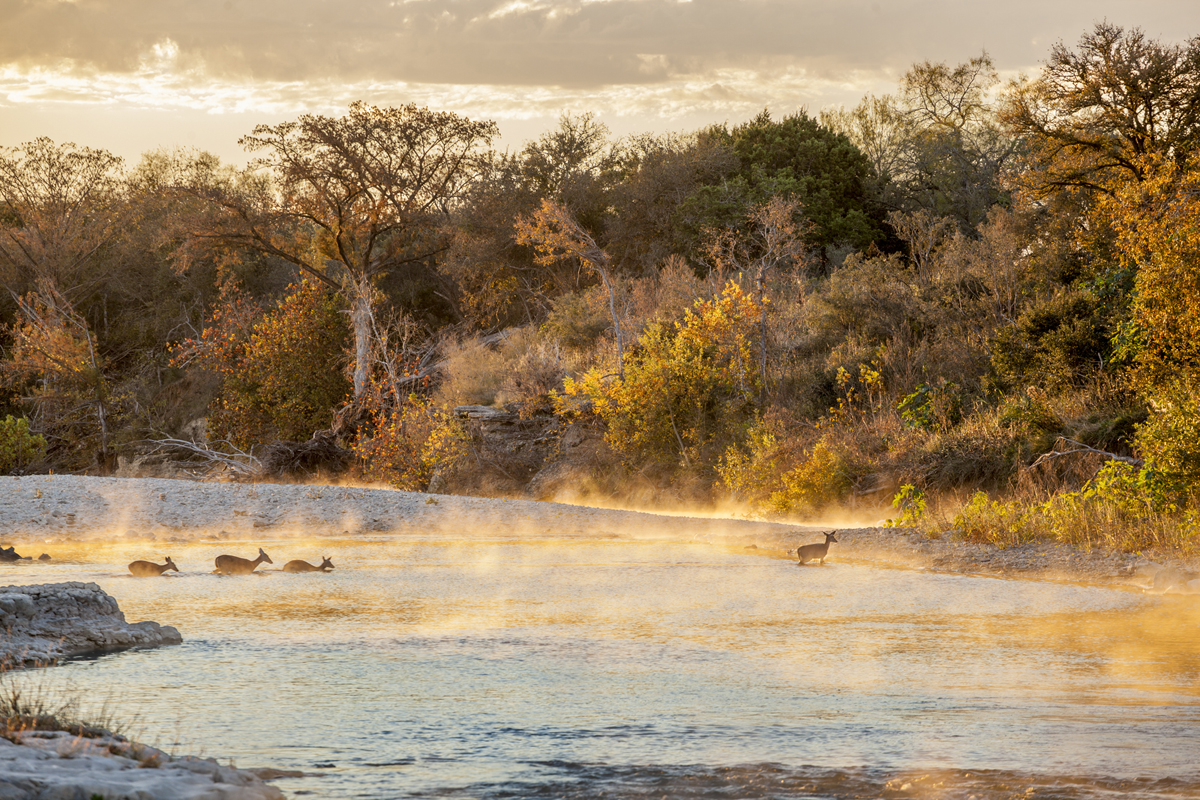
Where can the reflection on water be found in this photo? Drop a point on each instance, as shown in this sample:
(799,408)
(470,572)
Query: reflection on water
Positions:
(492,667)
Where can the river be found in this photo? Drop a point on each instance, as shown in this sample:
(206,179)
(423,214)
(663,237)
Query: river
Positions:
(496,666)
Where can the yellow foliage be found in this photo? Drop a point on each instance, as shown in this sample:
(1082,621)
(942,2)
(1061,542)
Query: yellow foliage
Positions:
(690,387)
(410,444)
(1158,227)
(818,483)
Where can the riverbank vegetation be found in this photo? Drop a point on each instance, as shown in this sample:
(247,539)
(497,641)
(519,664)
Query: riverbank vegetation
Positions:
(970,305)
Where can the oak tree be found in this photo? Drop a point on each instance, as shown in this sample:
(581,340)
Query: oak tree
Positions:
(1096,111)
(351,198)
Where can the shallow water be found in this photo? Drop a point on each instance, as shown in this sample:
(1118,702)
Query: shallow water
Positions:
(493,666)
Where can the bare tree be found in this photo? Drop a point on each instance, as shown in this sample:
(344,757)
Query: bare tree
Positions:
(1096,110)
(776,243)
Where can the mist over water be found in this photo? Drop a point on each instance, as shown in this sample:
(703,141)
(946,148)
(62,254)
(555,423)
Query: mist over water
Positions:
(488,665)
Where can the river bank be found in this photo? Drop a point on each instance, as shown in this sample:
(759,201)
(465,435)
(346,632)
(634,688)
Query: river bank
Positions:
(38,512)
(53,514)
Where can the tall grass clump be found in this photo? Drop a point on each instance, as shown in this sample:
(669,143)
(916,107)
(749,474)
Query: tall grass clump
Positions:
(1124,508)
(30,704)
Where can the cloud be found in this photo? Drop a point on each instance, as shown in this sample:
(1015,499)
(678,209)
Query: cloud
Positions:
(569,43)
(661,63)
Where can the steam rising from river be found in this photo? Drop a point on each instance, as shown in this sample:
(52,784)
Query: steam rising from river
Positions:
(469,648)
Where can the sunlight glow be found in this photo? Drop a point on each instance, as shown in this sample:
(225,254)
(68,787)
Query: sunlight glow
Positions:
(161,84)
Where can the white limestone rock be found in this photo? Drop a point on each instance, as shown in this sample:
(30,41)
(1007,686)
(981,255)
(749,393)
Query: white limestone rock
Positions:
(42,623)
(46,765)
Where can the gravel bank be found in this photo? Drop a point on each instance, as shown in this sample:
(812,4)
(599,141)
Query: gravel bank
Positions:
(38,511)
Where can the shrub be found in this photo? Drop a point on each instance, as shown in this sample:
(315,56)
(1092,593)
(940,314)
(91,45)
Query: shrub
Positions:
(910,502)
(410,444)
(1169,439)
(19,448)
(1123,507)
(822,481)
(281,371)
(690,387)
(932,408)
(1054,343)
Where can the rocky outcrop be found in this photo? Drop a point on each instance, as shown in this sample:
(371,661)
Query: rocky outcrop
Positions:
(44,764)
(42,623)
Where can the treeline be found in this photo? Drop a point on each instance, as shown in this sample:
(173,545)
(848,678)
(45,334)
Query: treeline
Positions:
(961,286)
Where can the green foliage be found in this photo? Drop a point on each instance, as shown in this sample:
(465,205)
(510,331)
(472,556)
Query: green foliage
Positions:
(1170,437)
(1030,413)
(1124,507)
(987,520)
(18,447)
(910,502)
(283,370)
(794,159)
(932,408)
(1054,343)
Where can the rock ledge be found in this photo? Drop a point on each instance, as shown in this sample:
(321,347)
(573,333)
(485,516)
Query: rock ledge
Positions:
(42,623)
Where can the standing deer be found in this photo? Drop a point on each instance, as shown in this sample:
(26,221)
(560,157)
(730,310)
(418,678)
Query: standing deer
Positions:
(148,569)
(232,565)
(808,552)
(304,566)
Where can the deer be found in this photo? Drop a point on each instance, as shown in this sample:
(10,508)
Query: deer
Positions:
(304,566)
(232,565)
(809,552)
(148,569)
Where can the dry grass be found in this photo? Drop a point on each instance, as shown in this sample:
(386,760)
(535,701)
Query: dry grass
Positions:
(29,703)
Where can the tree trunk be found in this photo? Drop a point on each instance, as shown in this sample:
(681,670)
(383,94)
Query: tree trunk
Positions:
(361,316)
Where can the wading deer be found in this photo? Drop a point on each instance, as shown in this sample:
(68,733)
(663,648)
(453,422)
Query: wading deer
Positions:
(232,565)
(148,569)
(304,566)
(809,552)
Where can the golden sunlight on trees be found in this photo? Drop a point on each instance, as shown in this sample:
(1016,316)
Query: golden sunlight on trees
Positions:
(1098,110)
(59,207)
(776,246)
(356,197)
(282,370)
(1158,224)
(553,232)
(499,282)
(689,387)
(56,370)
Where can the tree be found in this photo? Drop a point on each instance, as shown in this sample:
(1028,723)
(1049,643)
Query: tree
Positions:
(776,244)
(643,230)
(1158,227)
(59,207)
(937,146)
(555,234)
(1095,112)
(499,280)
(282,370)
(689,390)
(794,159)
(55,368)
(354,198)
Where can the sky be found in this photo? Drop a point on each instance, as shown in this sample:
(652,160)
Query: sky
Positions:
(131,76)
